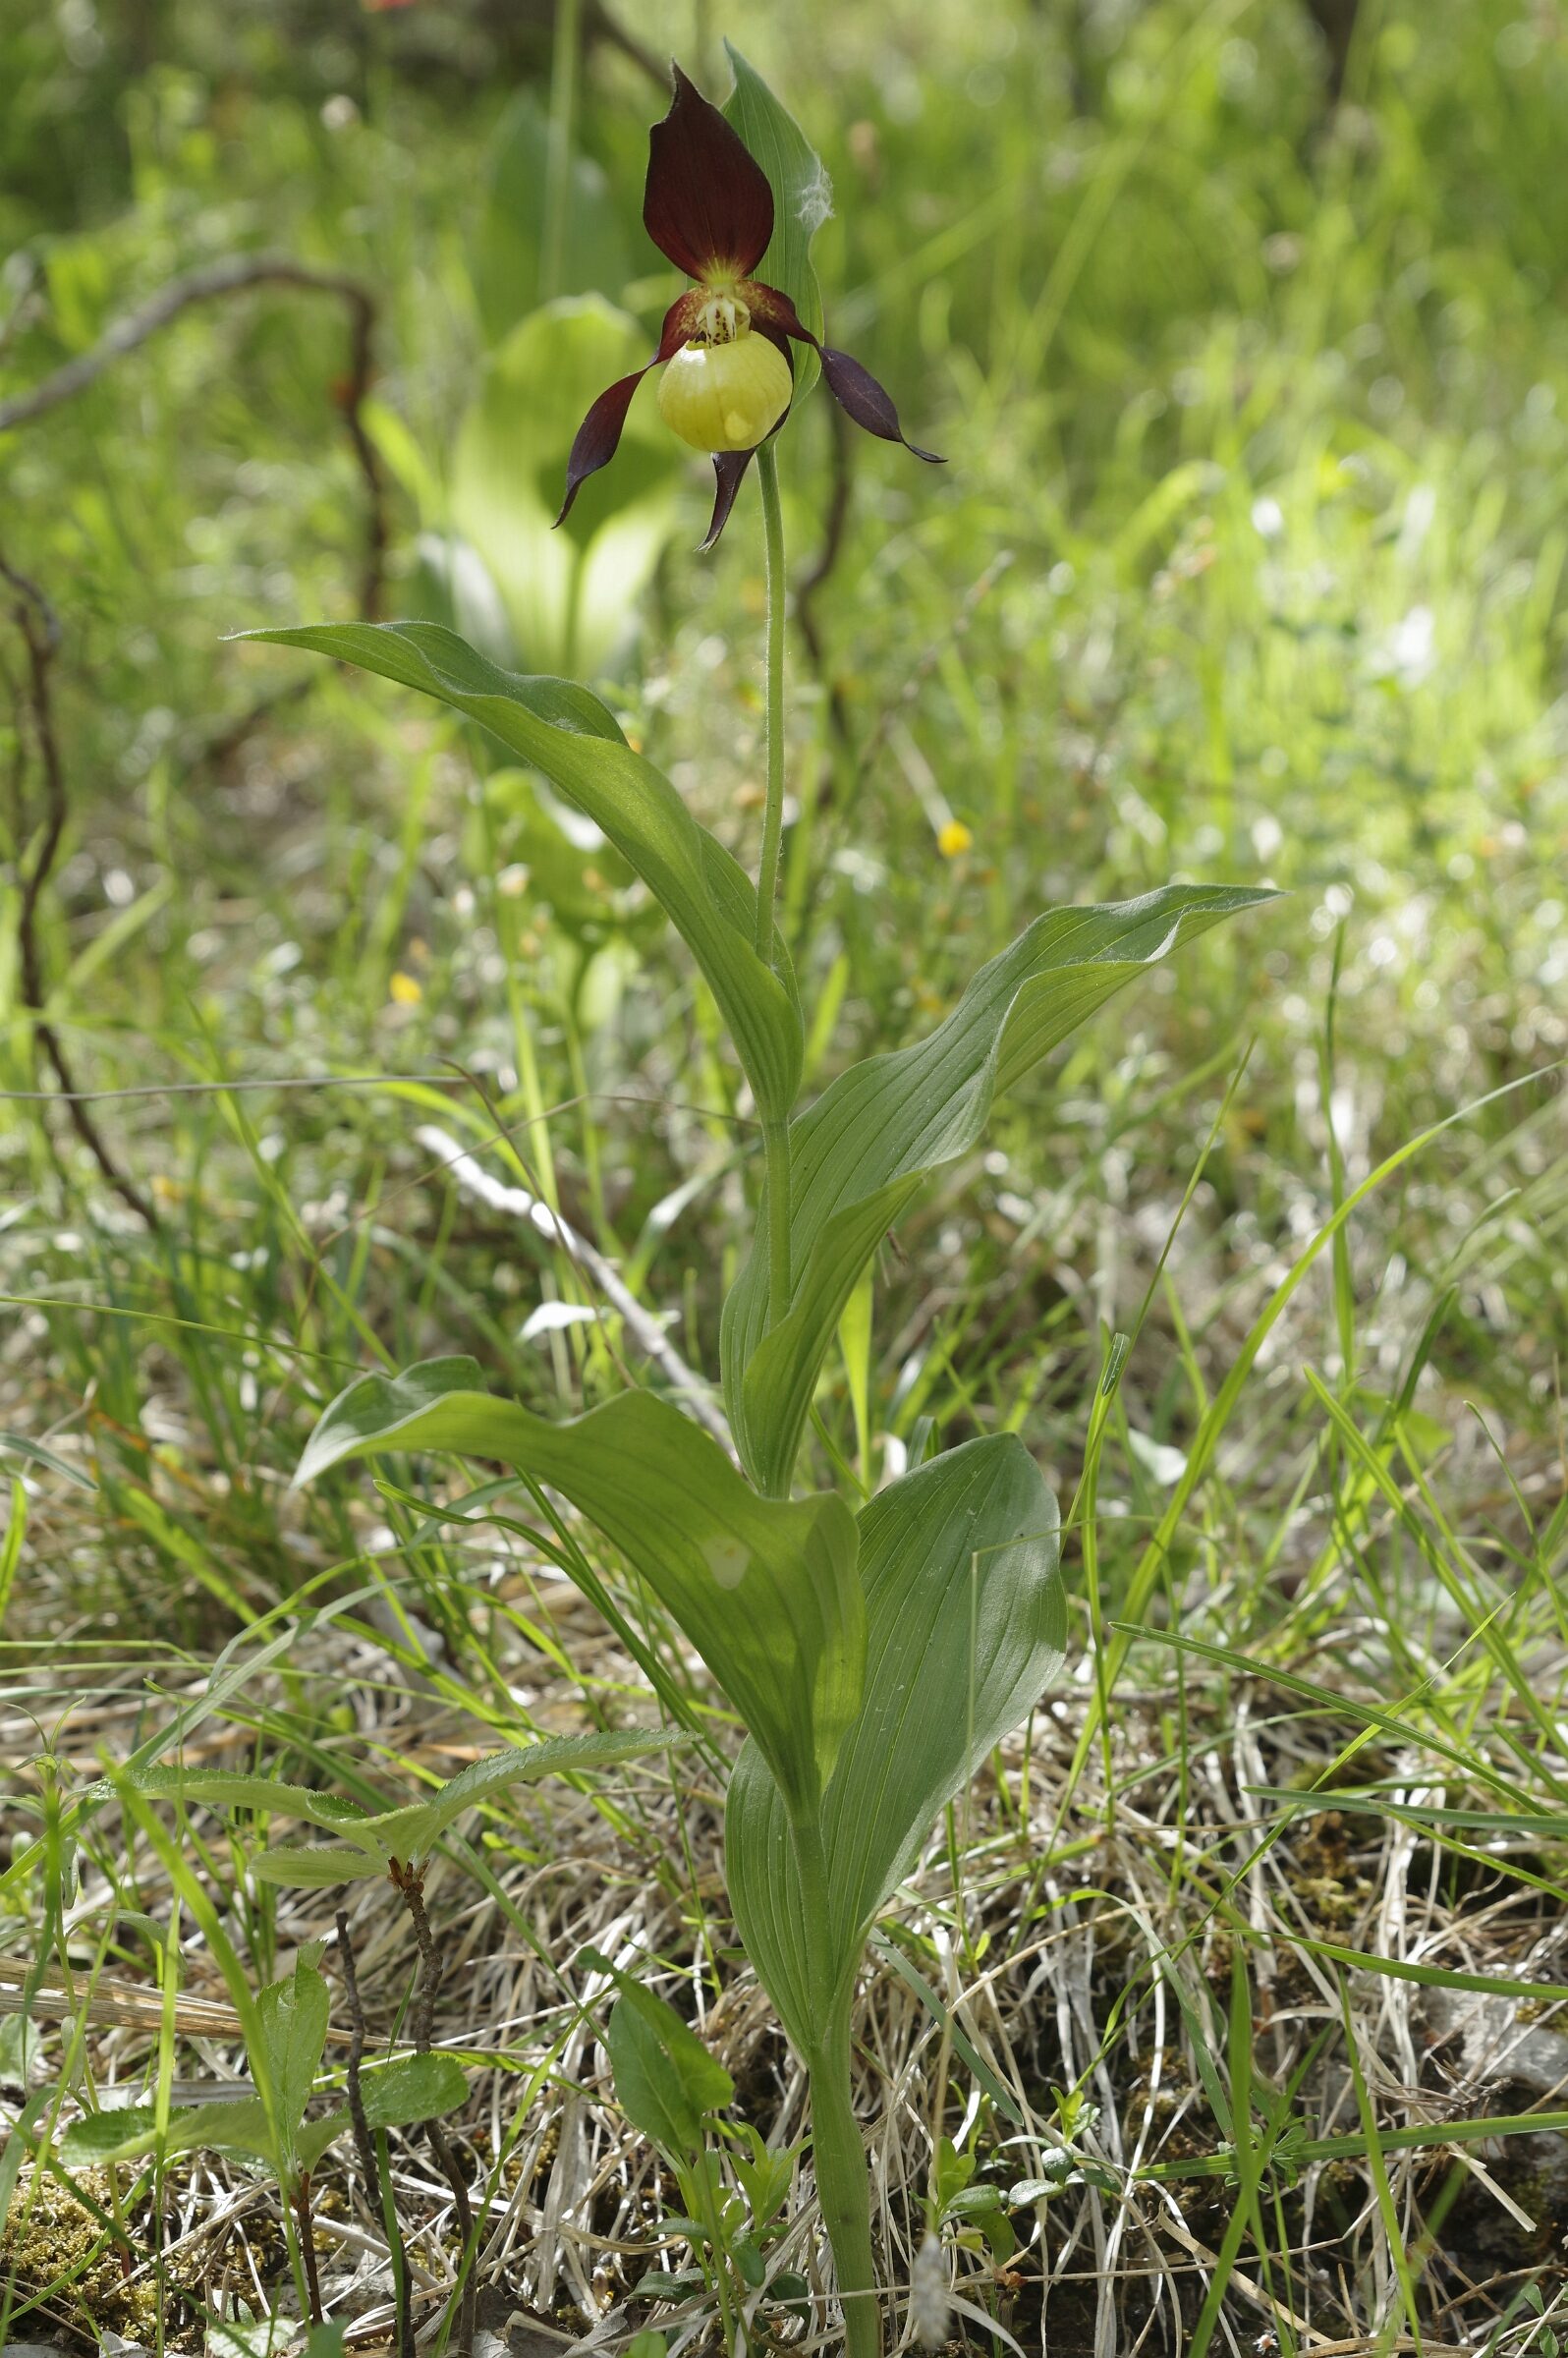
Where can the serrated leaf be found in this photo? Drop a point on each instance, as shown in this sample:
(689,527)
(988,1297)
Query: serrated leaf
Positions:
(411,1832)
(103,2137)
(233,1790)
(765,1589)
(572,737)
(858,1155)
(967,1623)
(802,199)
(412,2089)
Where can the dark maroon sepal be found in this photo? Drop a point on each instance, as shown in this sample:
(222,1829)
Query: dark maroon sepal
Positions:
(853,389)
(707,204)
(729,466)
(858,393)
(599,436)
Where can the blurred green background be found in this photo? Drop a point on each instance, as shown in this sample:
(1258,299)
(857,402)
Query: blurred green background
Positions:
(1242,329)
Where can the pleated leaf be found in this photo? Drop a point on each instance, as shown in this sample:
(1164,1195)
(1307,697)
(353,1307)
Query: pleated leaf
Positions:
(565,731)
(966,1625)
(767,1592)
(861,1151)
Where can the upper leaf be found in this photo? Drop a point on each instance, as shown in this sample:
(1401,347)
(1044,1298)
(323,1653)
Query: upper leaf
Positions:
(767,1592)
(565,731)
(860,1152)
(802,199)
(966,1624)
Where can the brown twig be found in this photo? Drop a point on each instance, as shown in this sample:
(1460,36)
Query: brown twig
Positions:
(816,573)
(410,1880)
(365,2146)
(215,280)
(306,2222)
(39,626)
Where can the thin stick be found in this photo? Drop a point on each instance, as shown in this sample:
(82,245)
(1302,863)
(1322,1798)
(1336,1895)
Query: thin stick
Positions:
(382,2201)
(39,627)
(410,1880)
(472,1179)
(232,275)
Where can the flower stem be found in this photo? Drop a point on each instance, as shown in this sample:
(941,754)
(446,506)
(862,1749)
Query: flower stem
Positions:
(776,1132)
(773,814)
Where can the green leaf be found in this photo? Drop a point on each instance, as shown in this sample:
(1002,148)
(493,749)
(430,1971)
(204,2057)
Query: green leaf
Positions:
(861,1151)
(233,1790)
(665,2079)
(316,1866)
(566,732)
(511,231)
(412,2089)
(31,1452)
(766,1591)
(967,1623)
(410,1834)
(116,2136)
(570,597)
(802,200)
(294,2016)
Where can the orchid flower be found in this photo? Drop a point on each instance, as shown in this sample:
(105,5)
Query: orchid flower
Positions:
(725,344)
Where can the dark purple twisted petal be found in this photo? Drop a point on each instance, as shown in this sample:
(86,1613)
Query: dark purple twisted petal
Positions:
(707,204)
(853,389)
(729,466)
(597,438)
(856,391)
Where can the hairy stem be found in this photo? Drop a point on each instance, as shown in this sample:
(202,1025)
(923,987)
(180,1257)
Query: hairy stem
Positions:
(773,812)
(775,1133)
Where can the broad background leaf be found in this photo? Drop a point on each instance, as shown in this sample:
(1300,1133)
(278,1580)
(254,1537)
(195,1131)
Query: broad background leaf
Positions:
(509,239)
(860,1152)
(565,731)
(767,1592)
(966,1625)
(570,597)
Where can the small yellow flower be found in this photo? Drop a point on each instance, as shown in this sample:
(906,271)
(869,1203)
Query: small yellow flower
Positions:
(406,990)
(952,838)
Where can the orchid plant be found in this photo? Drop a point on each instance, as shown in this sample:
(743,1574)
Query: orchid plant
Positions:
(875,1650)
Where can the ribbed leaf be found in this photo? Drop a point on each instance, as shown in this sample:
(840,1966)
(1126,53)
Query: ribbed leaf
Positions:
(966,1624)
(860,1152)
(566,732)
(768,1592)
(802,199)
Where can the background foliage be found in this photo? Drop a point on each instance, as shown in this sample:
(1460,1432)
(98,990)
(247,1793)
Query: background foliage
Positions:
(1247,358)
